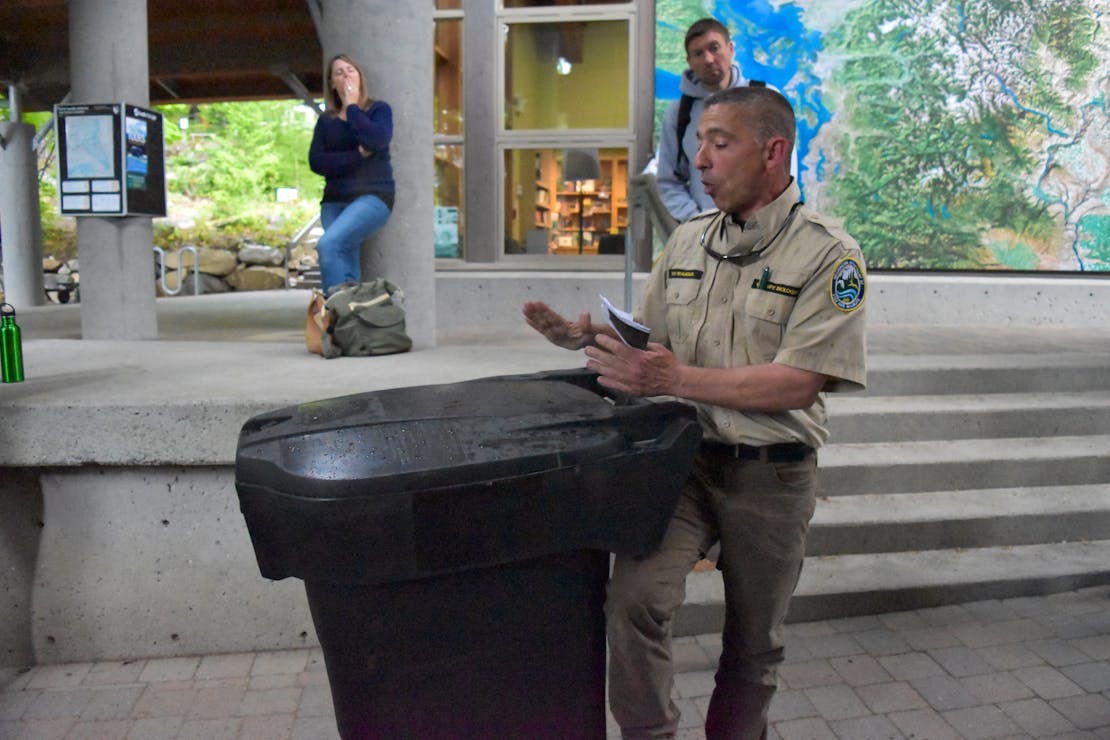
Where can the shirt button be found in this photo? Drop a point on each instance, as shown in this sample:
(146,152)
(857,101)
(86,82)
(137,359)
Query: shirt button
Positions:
(724,300)
(771,312)
(717,343)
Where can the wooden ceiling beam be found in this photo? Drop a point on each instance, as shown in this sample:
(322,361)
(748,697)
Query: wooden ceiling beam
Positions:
(201,49)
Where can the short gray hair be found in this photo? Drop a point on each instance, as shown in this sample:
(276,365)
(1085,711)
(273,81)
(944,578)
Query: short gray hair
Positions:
(769,111)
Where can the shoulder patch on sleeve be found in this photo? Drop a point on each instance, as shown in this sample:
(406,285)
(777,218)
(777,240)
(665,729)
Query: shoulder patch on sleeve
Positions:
(848,285)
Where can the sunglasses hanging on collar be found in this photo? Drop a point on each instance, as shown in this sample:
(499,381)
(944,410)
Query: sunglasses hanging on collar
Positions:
(733,257)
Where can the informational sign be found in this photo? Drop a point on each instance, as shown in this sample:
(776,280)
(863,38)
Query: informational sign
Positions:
(447,231)
(111,160)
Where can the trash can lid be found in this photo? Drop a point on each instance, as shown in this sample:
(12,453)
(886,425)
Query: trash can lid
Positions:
(410,482)
(406,439)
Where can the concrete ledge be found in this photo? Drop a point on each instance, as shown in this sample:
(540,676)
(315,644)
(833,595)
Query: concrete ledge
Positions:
(482,303)
(183,403)
(469,302)
(127,448)
(486,304)
(989,300)
(154,561)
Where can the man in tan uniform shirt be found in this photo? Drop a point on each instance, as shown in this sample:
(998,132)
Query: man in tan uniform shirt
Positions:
(755,310)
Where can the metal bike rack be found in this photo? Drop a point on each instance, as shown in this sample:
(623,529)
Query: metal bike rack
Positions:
(180,263)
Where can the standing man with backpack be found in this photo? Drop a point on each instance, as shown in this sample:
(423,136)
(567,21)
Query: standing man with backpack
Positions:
(709,54)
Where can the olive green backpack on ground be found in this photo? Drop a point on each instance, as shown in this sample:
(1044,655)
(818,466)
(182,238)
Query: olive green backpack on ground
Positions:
(365,319)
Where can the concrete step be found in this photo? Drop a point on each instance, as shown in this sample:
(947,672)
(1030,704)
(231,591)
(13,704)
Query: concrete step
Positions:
(308,279)
(954,478)
(854,585)
(854,419)
(965,464)
(899,522)
(897,375)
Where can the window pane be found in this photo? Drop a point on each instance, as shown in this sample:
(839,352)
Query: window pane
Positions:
(567,75)
(547,214)
(449,201)
(448,4)
(448,72)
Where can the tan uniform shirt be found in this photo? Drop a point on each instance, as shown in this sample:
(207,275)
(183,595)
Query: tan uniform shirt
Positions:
(792,292)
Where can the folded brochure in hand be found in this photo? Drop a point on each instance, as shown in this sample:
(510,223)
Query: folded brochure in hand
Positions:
(631,332)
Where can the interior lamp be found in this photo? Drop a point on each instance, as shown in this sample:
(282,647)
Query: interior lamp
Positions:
(580,165)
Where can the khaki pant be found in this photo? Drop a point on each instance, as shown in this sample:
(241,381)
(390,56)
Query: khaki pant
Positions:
(760,512)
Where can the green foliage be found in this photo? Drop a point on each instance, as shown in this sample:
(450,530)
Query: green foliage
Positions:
(59,235)
(926,166)
(222,174)
(1014,255)
(1094,239)
(1066,33)
(242,151)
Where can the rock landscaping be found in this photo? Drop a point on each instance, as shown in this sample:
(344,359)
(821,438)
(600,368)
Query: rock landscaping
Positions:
(192,270)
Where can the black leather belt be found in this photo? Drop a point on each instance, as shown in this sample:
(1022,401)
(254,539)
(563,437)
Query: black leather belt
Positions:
(785,452)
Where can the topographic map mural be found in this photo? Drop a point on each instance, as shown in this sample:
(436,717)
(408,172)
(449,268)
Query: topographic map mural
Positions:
(945,135)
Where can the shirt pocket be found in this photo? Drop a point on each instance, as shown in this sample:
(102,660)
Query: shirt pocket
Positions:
(682,307)
(764,322)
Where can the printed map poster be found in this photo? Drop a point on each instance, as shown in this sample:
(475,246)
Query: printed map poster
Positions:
(92,147)
(944,135)
(110,160)
(88,160)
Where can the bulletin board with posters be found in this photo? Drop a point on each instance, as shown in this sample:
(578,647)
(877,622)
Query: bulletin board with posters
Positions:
(111,160)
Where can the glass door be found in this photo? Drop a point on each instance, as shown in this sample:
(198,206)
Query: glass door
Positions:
(565,129)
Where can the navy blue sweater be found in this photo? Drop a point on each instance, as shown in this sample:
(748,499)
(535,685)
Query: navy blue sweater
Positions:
(334,153)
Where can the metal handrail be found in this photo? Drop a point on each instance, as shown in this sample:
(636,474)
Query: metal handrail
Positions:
(180,264)
(643,193)
(297,239)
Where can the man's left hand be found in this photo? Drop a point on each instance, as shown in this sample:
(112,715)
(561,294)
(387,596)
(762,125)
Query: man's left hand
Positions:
(650,372)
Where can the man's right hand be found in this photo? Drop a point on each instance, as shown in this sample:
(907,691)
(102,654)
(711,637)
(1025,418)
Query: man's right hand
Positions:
(559,331)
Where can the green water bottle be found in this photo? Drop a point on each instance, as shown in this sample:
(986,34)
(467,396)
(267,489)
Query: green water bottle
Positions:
(11,346)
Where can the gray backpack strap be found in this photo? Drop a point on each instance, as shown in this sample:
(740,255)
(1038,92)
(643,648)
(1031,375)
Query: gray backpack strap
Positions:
(681,163)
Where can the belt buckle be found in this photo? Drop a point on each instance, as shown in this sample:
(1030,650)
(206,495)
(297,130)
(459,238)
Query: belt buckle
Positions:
(749,452)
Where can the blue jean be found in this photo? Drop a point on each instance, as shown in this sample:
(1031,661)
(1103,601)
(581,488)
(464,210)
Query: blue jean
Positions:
(346,225)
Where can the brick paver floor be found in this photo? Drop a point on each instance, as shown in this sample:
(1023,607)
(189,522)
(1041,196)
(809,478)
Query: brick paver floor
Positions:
(1016,669)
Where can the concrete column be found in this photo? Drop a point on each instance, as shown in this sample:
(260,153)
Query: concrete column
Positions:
(20,219)
(108,63)
(393,43)
(643,125)
(481,46)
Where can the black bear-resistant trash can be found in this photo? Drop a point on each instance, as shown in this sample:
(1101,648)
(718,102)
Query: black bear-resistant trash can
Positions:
(454,539)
